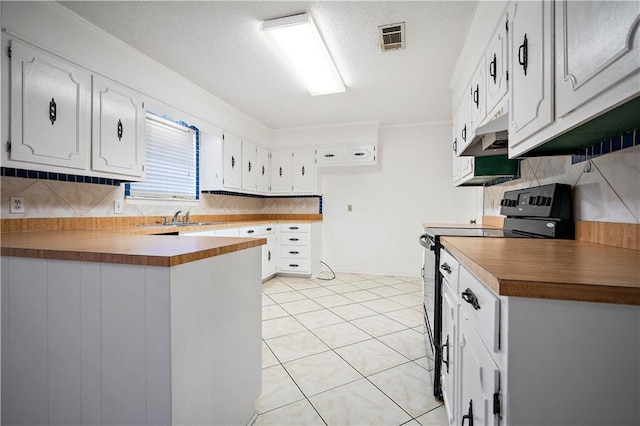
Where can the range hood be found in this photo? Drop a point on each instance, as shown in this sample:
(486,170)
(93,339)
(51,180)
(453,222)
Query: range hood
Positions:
(491,138)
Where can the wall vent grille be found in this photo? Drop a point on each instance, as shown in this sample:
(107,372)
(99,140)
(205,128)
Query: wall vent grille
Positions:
(392,36)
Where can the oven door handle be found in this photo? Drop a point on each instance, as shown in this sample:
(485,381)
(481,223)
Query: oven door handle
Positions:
(426,241)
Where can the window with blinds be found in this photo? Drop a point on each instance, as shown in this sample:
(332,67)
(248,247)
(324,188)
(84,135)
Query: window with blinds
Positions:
(171,167)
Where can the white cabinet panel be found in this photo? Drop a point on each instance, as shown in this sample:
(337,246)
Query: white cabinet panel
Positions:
(329,156)
(232,161)
(479,378)
(449,349)
(496,66)
(477,94)
(118,144)
(263,170)
(531,75)
(361,154)
(50,109)
(249,166)
(281,178)
(304,172)
(597,46)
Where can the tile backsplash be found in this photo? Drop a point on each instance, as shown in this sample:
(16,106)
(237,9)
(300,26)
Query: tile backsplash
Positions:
(609,192)
(51,198)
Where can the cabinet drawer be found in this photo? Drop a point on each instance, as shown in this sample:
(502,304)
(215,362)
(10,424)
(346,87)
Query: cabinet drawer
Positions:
(267,229)
(251,231)
(449,267)
(292,238)
(298,266)
(227,232)
(295,227)
(482,307)
(294,252)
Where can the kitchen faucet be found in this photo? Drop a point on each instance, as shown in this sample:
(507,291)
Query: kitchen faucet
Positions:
(186,217)
(175,216)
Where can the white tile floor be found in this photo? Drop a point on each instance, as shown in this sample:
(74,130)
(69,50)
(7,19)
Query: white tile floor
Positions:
(349,351)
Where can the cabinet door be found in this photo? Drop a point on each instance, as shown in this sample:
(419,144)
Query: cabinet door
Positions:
(118,129)
(597,46)
(479,378)
(449,338)
(465,132)
(531,75)
(477,96)
(496,66)
(269,257)
(331,155)
(50,109)
(263,170)
(304,167)
(281,172)
(232,161)
(249,166)
(361,154)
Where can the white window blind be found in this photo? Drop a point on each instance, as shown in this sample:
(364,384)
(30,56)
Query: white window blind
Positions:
(172,164)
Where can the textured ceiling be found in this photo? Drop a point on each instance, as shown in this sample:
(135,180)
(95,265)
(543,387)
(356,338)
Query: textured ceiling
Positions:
(218,45)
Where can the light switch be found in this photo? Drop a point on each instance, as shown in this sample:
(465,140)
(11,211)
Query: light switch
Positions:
(349,208)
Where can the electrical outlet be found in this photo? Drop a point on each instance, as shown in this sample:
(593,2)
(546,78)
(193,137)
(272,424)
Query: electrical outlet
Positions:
(16,205)
(118,206)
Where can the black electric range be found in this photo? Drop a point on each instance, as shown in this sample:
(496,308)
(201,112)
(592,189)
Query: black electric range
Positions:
(537,212)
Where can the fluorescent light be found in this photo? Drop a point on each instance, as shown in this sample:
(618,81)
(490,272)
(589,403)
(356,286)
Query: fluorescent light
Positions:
(298,40)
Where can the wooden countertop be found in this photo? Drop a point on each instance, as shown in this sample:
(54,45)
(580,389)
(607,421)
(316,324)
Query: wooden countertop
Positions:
(551,269)
(110,247)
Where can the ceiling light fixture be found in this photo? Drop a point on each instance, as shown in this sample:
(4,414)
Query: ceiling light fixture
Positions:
(298,40)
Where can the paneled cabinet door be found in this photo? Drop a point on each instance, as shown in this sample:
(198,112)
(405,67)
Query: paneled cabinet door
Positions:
(232,161)
(50,109)
(597,46)
(531,75)
(478,95)
(118,143)
(249,166)
(479,378)
(496,66)
(263,169)
(281,179)
(304,172)
(463,118)
(449,339)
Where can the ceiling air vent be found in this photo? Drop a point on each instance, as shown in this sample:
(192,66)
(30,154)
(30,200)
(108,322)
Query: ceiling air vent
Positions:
(392,36)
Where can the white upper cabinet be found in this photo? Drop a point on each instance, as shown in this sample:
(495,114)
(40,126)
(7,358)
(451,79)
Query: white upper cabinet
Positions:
(477,94)
(462,116)
(347,155)
(263,170)
(531,75)
(496,61)
(304,172)
(249,166)
(50,109)
(232,161)
(281,178)
(330,156)
(118,137)
(597,46)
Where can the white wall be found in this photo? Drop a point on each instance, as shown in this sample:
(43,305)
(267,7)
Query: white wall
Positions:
(411,185)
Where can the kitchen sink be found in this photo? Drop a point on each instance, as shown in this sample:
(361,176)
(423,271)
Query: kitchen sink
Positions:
(181,224)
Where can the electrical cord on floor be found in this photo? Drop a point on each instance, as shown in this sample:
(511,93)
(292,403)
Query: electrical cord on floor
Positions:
(326,279)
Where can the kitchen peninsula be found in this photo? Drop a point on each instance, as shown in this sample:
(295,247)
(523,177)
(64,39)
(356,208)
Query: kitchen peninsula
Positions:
(108,328)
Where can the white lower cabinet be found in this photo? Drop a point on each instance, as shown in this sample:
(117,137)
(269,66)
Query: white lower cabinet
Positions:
(300,248)
(292,248)
(517,360)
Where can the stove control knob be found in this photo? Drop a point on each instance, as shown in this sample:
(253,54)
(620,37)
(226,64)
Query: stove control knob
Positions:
(547,201)
(513,203)
(503,202)
(533,200)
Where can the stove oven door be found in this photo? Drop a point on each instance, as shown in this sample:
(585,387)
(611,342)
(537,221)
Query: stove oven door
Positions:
(431,324)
